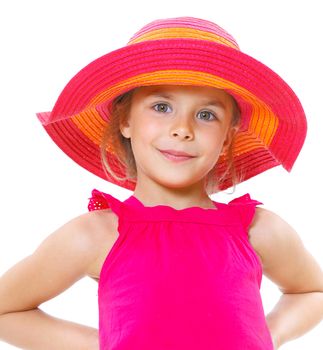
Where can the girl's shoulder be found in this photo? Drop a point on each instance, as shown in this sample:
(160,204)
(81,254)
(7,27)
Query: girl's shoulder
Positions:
(267,232)
(88,237)
(100,231)
(285,259)
(280,249)
(99,221)
(74,250)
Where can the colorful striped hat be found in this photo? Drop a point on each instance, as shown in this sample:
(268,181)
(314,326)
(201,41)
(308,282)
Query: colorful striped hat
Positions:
(181,51)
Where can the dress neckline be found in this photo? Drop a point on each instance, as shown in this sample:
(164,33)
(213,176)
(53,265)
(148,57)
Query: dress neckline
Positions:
(133,210)
(132,200)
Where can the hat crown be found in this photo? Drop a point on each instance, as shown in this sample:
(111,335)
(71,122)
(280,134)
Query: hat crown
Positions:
(184,28)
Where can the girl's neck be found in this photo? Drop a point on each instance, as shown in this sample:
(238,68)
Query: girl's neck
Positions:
(176,200)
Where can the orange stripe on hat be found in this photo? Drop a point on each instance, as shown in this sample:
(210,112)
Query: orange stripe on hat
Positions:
(188,33)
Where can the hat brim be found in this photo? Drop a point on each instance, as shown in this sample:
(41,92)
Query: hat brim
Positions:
(273,125)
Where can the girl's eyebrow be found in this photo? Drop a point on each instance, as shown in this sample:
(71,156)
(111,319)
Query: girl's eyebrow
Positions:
(215,103)
(163,95)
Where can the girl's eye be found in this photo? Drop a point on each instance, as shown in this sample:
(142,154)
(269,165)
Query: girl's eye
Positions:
(206,115)
(161,107)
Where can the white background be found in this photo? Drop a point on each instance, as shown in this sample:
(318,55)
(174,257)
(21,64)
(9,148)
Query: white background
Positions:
(44,43)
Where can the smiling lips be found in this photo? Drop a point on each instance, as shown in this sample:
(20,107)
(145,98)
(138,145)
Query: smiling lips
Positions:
(176,156)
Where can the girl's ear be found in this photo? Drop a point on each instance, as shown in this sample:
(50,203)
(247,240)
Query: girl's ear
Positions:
(125,129)
(228,140)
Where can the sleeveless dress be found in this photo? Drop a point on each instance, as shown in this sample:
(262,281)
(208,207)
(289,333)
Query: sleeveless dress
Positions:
(181,279)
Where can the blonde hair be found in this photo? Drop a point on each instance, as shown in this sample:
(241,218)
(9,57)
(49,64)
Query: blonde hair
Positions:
(214,179)
(114,142)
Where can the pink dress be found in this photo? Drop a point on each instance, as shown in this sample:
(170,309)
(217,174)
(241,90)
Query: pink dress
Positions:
(181,279)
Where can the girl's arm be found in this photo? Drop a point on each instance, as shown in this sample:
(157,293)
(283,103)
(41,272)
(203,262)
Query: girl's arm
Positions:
(35,329)
(299,277)
(63,258)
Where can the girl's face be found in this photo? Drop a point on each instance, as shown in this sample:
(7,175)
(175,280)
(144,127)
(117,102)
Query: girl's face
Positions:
(190,119)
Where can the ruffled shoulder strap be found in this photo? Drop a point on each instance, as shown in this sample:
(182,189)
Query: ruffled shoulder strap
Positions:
(246,208)
(100,200)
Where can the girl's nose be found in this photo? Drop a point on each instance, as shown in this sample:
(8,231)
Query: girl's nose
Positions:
(182,128)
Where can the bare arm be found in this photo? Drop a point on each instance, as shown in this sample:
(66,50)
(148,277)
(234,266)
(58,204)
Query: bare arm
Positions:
(62,259)
(299,277)
(35,329)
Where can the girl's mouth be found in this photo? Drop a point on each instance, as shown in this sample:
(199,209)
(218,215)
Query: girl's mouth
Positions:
(175,158)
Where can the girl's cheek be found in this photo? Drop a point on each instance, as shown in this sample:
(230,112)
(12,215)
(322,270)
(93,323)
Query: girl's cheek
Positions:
(152,128)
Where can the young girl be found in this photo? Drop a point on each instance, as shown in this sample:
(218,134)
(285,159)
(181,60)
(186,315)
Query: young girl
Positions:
(176,115)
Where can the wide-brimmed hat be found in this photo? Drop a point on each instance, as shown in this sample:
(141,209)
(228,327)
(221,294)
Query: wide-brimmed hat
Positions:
(181,51)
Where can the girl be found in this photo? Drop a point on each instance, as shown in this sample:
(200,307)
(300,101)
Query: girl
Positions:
(176,115)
